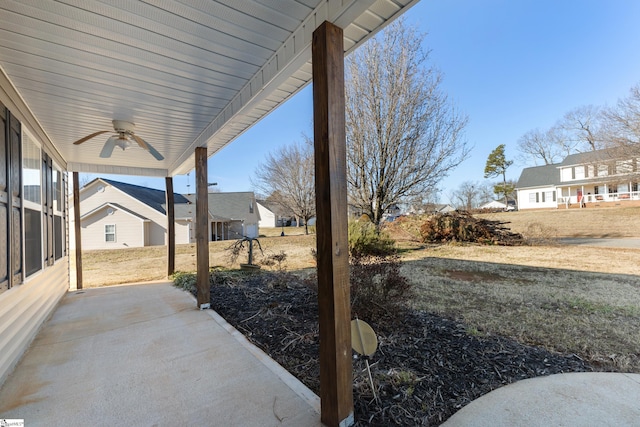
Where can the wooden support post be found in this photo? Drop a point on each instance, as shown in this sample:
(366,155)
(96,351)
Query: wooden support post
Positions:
(171,228)
(202,219)
(77,229)
(336,376)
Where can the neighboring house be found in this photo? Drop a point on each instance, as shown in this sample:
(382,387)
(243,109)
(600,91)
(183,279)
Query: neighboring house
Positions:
(231,215)
(495,204)
(115,215)
(430,208)
(268,218)
(600,177)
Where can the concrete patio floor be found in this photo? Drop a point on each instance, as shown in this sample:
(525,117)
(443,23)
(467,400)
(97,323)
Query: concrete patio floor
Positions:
(143,355)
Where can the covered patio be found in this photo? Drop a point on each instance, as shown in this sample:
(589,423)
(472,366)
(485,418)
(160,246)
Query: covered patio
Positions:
(170,84)
(119,355)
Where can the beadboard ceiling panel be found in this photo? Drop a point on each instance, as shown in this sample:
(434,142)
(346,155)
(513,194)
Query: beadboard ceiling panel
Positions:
(188,73)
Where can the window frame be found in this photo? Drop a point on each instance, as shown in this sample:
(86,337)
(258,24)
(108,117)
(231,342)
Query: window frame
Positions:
(37,207)
(107,233)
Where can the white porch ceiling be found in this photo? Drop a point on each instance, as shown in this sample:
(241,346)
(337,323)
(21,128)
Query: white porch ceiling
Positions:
(189,73)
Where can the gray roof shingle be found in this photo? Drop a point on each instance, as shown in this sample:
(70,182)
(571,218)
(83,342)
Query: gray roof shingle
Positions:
(149,196)
(228,205)
(538,176)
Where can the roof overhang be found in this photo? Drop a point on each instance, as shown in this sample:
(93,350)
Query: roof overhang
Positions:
(188,74)
(115,207)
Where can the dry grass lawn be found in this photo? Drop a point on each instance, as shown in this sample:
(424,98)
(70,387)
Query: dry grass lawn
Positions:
(577,299)
(588,222)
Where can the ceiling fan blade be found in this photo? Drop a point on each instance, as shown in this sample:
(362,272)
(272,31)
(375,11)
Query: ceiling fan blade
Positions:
(107,150)
(142,143)
(88,137)
(155,153)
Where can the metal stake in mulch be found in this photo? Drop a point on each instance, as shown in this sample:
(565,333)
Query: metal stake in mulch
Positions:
(365,342)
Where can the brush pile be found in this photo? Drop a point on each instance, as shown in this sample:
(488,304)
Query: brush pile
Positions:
(461,226)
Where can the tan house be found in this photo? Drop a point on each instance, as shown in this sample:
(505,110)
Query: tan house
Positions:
(232,215)
(118,215)
(169,85)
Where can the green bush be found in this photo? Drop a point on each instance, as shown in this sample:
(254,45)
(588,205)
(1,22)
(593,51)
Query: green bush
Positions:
(366,240)
(184,280)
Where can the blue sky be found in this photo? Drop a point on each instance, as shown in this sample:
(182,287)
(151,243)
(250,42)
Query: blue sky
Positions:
(511,66)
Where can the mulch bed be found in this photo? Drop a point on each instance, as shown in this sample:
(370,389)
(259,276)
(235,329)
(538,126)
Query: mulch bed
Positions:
(426,367)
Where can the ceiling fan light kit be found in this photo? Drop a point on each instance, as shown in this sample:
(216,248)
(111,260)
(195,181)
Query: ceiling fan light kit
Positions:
(125,134)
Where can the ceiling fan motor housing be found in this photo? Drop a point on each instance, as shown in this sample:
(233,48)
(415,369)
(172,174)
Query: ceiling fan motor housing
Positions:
(123,126)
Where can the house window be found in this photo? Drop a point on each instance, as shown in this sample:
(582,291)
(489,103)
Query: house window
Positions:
(532,197)
(624,166)
(579,172)
(634,186)
(543,194)
(603,170)
(550,195)
(596,190)
(110,233)
(613,189)
(32,190)
(251,207)
(59,213)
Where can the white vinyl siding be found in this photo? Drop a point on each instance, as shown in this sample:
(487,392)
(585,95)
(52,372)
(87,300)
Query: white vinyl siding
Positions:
(130,231)
(537,198)
(24,308)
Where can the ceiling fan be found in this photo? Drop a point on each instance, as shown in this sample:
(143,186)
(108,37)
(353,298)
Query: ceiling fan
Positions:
(123,139)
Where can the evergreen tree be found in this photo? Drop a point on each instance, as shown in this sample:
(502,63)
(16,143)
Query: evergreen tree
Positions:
(497,165)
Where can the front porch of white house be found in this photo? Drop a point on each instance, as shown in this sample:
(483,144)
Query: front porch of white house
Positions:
(601,194)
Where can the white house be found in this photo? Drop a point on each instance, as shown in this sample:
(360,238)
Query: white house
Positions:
(118,215)
(268,216)
(602,178)
(494,204)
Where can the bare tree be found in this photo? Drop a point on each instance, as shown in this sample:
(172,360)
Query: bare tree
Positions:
(583,129)
(544,146)
(623,121)
(403,134)
(288,176)
(471,194)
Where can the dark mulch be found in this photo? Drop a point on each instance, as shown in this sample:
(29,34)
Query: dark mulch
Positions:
(426,367)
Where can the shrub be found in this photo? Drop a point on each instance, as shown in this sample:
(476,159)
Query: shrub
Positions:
(184,280)
(377,286)
(275,260)
(365,239)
